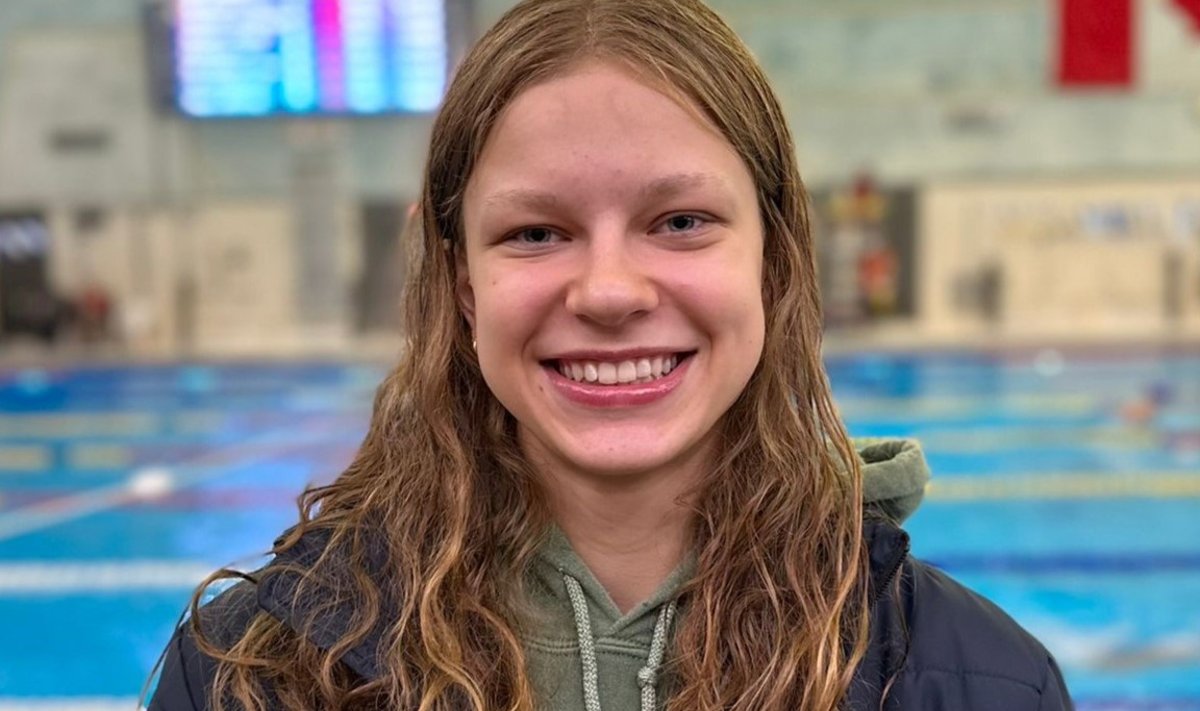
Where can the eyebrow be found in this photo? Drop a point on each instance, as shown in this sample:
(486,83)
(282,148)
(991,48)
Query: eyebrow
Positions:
(669,186)
(662,188)
(521,197)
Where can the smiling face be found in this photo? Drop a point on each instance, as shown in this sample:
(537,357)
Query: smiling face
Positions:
(613,274)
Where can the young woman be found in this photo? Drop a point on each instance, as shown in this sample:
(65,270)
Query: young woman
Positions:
(608,472)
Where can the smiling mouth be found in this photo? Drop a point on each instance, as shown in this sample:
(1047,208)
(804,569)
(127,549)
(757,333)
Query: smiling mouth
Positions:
(624,372)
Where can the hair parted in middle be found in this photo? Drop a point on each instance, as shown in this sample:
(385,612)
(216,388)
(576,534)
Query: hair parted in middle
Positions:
(775,617)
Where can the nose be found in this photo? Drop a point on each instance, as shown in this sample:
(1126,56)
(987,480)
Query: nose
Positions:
(611,288)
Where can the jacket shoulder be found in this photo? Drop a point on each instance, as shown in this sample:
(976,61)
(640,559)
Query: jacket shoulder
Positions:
(968,651)
(187,672)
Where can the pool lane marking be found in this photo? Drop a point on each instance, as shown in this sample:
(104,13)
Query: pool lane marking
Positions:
(1000,440)
(81,424)
(69,703)
(1068,485)
(25,458)
(1130,563)
(186,474)
(43,578)
(1132,703)
(854,407)
(99,456)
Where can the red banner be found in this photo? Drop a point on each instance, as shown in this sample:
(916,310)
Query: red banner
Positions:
(1095,43)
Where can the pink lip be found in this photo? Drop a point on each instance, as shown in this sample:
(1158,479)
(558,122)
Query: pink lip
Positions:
(629,395)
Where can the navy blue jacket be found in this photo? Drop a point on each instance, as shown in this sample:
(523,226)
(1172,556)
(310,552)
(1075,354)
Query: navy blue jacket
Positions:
(943,647)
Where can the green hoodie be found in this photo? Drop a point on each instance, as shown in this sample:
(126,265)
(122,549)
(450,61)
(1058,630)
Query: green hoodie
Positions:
(583,640)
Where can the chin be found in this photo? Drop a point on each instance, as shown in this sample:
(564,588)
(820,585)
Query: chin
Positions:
(621,467)
(624,456)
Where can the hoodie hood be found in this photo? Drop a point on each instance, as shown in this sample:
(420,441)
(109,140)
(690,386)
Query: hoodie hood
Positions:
(582,651)
(894,476)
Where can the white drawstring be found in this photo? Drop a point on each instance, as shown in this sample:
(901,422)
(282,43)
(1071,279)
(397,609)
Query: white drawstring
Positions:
(647,676)
(587,645)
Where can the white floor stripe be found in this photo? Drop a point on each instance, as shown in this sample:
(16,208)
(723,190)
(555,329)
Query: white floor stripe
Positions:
(68,703)
(26,579)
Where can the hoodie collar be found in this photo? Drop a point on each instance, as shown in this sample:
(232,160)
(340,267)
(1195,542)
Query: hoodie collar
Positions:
(556,558)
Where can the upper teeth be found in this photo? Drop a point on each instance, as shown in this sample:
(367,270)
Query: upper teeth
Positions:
(626,371)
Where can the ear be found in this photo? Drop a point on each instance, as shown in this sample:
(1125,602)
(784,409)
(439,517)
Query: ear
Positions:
(463,290)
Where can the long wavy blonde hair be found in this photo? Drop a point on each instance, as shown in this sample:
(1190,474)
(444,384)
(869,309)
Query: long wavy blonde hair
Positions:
(775,617)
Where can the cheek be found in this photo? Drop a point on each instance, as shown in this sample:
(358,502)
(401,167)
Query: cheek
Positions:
(752,319)
(746,317)
(752,305)
(509,307)
(730,302)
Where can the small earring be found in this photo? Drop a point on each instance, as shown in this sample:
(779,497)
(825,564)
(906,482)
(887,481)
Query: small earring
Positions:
(474,344)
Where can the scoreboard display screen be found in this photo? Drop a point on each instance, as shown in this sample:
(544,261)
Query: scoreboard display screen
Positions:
(263,57)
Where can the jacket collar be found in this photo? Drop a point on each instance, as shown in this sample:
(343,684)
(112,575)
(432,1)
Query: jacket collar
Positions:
(280,580)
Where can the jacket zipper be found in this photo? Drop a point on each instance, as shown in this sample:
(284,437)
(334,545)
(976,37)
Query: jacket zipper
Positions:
(892,572)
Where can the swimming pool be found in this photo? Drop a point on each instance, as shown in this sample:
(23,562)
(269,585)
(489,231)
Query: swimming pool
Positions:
(1066,488)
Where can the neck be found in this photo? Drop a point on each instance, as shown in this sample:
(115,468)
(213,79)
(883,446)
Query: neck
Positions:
(631,530)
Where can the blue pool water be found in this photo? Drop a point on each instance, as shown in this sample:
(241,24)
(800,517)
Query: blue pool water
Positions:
(1066,488)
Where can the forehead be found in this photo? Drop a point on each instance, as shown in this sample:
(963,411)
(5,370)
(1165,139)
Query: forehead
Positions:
(602,120)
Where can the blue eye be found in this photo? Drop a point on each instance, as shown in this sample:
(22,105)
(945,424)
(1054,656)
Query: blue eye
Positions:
(683,223)
(533,236)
